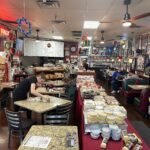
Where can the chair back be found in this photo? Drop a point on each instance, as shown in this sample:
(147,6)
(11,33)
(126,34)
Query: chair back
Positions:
(59,116)
(13,119)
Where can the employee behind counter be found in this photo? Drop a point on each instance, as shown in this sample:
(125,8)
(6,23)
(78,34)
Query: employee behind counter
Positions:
(28,85)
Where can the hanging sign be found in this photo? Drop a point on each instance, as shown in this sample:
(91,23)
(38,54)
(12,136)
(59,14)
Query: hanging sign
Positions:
(4,32)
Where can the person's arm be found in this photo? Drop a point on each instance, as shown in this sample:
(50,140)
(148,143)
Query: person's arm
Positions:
(35,93)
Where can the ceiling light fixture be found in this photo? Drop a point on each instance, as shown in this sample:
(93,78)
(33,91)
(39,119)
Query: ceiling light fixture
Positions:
(102,38)
(91,24)
(127,19)
(37,35)
(57,37)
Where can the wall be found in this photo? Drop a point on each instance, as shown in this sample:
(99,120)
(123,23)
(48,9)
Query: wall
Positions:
(28,61)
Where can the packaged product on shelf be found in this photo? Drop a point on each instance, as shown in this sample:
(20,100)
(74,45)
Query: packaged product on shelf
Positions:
(92,117)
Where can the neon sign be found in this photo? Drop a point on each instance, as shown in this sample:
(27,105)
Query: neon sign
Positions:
(4,32)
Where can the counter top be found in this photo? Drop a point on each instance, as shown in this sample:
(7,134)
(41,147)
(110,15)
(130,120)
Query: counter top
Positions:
(58,141)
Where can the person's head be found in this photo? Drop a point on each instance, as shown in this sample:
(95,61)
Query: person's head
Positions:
(40,78)
(131,72)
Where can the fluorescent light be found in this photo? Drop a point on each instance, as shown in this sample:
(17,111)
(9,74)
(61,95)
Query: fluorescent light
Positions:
(89,38)
(91,24)
(126,23)
(58,37)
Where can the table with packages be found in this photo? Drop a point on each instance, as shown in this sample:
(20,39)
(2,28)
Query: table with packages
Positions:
(87,143)
(44,137)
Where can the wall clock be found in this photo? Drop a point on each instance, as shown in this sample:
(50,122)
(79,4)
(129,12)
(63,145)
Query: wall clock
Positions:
(73,49)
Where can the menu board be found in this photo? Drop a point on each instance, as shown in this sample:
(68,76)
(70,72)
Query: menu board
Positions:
(43,48)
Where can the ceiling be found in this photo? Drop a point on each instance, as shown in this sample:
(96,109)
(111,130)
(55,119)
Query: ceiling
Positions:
(75,12)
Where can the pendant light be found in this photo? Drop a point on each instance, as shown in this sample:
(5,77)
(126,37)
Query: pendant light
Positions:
(127,19)
(102,38)
(37,35)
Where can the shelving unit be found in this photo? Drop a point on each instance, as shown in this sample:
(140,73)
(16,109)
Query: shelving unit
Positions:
(51,73)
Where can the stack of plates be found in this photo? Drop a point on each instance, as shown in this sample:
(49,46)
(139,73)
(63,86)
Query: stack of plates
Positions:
(106,132)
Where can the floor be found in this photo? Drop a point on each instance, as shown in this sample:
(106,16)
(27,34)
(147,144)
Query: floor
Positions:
(133,115)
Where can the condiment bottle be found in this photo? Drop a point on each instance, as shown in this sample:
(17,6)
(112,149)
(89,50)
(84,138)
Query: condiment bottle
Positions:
(104,143)
(128,146)
(125,136)
(137,147)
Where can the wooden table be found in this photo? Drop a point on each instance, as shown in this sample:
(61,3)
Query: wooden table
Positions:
(138,87)
(42,107)
(7,85)
(43,90)
(57,133)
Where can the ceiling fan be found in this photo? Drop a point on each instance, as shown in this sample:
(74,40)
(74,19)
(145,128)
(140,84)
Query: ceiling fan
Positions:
(57,21)
(128,21)
(102,37)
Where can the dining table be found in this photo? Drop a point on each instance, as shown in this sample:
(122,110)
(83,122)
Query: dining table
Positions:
(56,137)
(85,140)
(40,106)
(44,90)
(138,87)
(8,85)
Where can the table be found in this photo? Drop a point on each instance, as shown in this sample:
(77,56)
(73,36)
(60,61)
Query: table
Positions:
(42,107)
(7,85)
(43,90)
(86,143)
(58,141)
(138,87)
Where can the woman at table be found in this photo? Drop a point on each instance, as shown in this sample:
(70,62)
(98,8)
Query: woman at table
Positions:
(26,87)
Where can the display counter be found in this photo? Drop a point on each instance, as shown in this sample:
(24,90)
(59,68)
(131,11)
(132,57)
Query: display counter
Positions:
(86,142)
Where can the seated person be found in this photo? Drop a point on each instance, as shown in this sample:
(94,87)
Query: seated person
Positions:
(132,75)
(85,65)
(115,82)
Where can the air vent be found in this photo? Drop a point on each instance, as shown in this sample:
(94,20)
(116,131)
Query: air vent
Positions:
(48,3)
(77,33)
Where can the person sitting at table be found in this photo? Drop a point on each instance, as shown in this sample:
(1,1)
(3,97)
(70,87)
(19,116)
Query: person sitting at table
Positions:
(132,75)
(28,86)
(115,82)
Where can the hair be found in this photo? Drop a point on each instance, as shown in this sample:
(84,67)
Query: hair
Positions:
(132,71)
(41,75)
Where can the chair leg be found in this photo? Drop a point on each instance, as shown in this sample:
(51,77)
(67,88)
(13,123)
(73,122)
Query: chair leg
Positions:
(21,136)
(9,138)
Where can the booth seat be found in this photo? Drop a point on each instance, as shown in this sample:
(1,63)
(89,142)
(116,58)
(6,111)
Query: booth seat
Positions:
(142,102)
(128,93)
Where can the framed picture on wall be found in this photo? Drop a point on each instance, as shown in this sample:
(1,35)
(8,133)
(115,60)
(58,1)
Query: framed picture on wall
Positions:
(140,62)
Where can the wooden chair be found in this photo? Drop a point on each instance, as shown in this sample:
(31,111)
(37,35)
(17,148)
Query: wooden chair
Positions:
(60,115)
(17,124)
